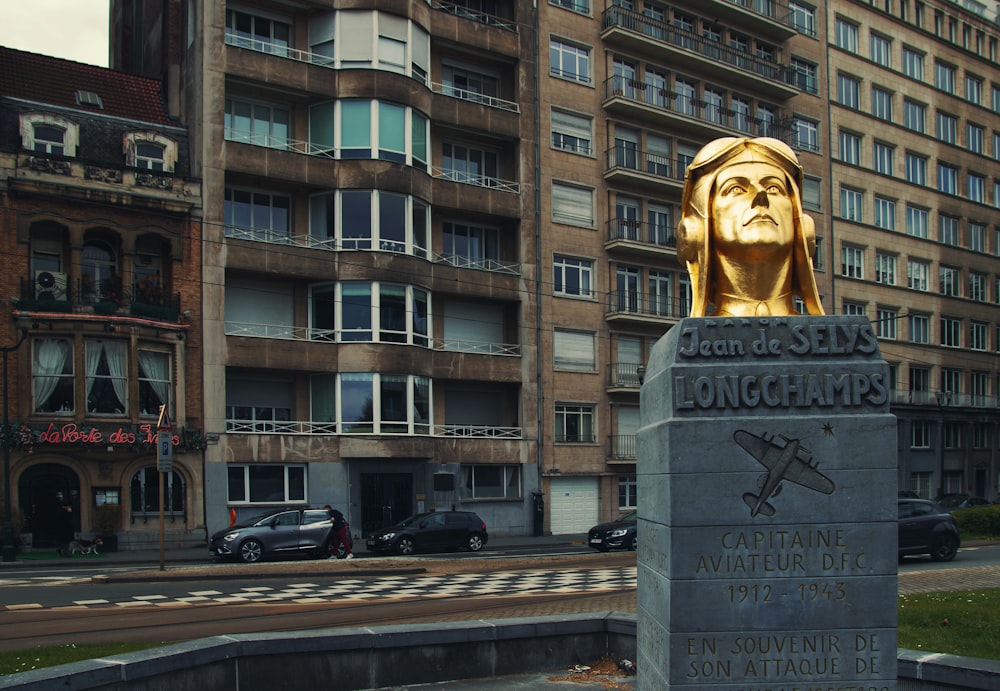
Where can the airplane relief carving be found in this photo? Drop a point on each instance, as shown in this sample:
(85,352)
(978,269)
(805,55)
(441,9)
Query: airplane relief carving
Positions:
(784,460)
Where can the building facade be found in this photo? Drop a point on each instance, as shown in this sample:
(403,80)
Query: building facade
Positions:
(101,274)
(440,236)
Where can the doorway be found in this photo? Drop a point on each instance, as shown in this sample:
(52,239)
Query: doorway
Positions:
(386,499)
(43,491)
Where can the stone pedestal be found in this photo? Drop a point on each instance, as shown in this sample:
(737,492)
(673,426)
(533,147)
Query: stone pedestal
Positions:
(767,508)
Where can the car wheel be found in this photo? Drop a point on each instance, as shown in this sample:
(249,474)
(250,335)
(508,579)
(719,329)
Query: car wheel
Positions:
(944,548)
(475,542)
(251,551)
(634,544)
(406,545)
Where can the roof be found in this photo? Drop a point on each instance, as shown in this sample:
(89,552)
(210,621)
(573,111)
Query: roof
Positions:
(56,82)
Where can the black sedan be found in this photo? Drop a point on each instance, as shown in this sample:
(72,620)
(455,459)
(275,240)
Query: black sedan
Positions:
(431,532)
(273,533)
(927,528)
(620,534)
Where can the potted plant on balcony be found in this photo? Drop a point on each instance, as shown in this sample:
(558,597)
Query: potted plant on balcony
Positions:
(107,523)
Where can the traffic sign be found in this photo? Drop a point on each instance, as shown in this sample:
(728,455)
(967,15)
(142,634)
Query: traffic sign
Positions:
(164,422)
(164,451)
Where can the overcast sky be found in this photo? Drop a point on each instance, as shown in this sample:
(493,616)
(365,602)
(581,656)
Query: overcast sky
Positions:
(70,29)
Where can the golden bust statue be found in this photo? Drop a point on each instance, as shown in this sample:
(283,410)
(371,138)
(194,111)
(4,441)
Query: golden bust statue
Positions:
(746,242)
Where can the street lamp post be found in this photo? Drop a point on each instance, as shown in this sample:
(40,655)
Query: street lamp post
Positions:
(9,544)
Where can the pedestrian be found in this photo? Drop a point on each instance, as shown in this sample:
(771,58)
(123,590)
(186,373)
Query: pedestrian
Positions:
(338,534)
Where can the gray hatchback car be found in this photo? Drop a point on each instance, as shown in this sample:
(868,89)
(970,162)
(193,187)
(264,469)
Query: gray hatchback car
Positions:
(273,533)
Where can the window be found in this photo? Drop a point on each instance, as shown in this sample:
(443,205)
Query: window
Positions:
(257,215)
(917,274)
(811,195)
(257,123)
(257,33)
(368,403)
(975,136)
(852,261)
(571,132)
(916,169)
(569,61)
(944,77)
(661,293)
(572,205)
(975,186)
(572,277)
(881,50)
(574,423)
(846,35)
(882,158)
(885,326)
(856,309)
(980,430)
(490,481)
(573,350)
(950,281)
(149,156)
(977,237)
(52,375)
(951,333)
(804,75)
(977,336)
(581,6)
(920,434)
(885,213)
(627,492)
(850,204)
(470,85)
(144,493)
(107,376)
(465,244)
(805,134)
(155,384)
(265,483)
(914,116)
(919,328)
(358,219)
(947,178)
(848,91)
(881,104)
(947,128)
(916,222)
(885,268)
(365,129)
(913,64)
(49,134)
(850,148)
(948,229)
(99,277)
(803,17)
(371,312)
(150,151)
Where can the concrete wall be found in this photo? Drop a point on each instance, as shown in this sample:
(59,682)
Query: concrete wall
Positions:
(365,658)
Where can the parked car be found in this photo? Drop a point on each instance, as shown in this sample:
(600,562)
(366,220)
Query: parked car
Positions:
(620,534)
(908,494)
(431,532)
(927,528)
(962,501)
(273,533)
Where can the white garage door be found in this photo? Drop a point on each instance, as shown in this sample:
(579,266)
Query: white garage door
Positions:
(573,504)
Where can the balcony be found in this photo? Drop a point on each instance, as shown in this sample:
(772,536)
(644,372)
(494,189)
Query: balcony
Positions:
(668,44)
(623,447)
(764,17)
(474,97)
(646,102)
(308,427)
(640,239)
(108,297)
(639,307)
(460,9)
(955,400)
(467,178)
(651,172)
(625,375)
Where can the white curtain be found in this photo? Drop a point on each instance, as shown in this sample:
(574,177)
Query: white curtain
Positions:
(93,355)
(50,357)
(114,351)
(156,367)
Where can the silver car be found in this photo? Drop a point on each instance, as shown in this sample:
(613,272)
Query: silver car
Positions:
(275,532)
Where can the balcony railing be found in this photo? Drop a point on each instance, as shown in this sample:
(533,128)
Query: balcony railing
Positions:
(459,9)
(712,114)
(474,97)
(145,299)
(636,22)
(467,178)
(640,231)
(308,427)
(625,374)
(645,305)
(478,263)
(305,333)
(771,9)
(477,431)
(620,157)
(623,447)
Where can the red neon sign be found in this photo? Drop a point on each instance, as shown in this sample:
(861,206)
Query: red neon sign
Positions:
(70,433)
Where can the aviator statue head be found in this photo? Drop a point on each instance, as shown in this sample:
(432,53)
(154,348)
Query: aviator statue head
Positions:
(746,242)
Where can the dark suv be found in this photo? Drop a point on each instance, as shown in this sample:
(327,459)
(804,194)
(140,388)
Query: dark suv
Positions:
(926,528)
(431,532)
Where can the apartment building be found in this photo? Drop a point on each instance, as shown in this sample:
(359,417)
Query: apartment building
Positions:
(100,269)
(440,235)
(369,256)
(915,124)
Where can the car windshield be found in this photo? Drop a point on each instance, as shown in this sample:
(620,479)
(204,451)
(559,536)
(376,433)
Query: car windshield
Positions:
(254,520)
(630,516)
(951,500)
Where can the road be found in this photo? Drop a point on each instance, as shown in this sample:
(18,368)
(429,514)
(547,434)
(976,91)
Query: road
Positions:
(41,608)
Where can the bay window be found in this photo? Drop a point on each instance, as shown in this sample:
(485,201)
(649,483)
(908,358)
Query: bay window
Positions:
(372,403)
(349,311)
(107,374)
